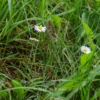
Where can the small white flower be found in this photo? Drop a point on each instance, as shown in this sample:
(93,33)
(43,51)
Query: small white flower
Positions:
(34,39)
(85,49)
(40,28)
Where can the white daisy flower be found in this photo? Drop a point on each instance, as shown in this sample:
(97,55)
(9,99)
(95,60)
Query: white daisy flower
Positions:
(85,49)
(40,28)
(34,39)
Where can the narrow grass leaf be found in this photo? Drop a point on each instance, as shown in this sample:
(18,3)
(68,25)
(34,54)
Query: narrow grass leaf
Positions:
(42,7)
(66,12)
(10,6)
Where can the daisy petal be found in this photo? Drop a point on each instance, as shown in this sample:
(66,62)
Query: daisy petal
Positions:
(34,39)
(39,28)
(85,49)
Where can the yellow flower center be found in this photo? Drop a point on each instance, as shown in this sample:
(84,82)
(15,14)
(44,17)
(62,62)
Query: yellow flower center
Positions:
(40,27)
(85,50)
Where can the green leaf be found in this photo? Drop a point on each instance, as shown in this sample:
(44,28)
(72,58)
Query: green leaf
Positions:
(2,3)
(57,20)
(19,92)
(70,84)
(88,30)
(89,34)
(3,94)
(86,61)
(96,95)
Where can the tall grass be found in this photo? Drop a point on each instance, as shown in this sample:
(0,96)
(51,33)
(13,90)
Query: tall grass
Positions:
(53,68)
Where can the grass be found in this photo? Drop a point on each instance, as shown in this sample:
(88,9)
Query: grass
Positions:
(53,68)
